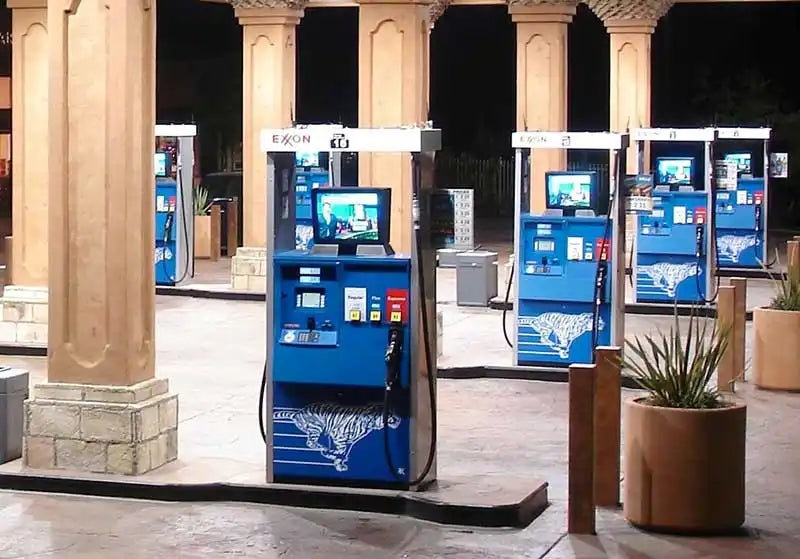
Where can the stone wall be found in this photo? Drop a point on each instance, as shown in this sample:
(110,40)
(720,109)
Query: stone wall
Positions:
(101,429)
(248,269)
(24,319)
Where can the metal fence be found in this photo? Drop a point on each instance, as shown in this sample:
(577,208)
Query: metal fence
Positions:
(492,179)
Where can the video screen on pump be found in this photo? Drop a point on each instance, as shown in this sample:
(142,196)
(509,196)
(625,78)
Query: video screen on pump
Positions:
(306,159)
(569,191)
(744,162)
(675,171)
(344,216)
(161,163)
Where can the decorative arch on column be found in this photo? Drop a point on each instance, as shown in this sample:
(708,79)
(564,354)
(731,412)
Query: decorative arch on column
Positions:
(288,4)
(437,9)
(629,9)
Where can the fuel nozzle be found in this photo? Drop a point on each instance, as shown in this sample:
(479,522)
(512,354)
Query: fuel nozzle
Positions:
(699,244)
(394,351)
(600,284)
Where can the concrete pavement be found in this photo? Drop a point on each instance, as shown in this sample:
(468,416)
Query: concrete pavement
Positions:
(212,352)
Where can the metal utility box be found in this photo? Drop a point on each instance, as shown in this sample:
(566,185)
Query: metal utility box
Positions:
(448,257)
(13,392)
(476,278)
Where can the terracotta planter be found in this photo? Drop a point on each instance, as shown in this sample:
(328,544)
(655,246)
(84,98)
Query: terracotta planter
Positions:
(684,469)
(207,235)
(202,236)
(776,350)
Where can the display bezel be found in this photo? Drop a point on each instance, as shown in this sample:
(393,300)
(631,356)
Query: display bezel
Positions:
(593,194)
(167,164)
(657,175)
(384,215)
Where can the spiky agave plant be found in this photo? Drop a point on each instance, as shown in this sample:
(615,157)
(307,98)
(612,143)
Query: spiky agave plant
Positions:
(676,371)
(787,287)
(201,204)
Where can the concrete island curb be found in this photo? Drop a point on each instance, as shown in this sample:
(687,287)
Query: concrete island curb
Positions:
(420,506)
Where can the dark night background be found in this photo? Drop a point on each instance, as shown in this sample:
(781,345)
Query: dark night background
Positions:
(725,64)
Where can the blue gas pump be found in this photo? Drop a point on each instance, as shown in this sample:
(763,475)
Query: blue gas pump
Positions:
(674,252)
(567,271)
(349,329)
(174,226)
(742,199)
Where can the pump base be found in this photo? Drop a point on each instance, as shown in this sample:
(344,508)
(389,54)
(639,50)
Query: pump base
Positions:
(491,501)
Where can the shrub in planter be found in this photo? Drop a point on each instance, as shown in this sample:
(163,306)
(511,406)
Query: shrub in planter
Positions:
(684,449)
(776,336)
(202,224)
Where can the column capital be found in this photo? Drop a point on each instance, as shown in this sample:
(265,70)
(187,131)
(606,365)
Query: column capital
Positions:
(267,16)
(15,4)
(631,26)
(639,13)
(542,11)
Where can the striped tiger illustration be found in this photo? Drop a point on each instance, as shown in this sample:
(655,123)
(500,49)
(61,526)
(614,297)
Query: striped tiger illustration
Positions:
(334,429)
(668,276)
(731,246)
(558,330)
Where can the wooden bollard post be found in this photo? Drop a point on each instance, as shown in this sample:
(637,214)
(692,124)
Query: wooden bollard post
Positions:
(9,250)
(232,214)
(607,421)
(216,225)
(793,260)
(739,324)
(726,373)
(580,501)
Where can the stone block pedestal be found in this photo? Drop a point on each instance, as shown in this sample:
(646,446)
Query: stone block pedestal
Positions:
(248,269)
(24,319)
(128,430)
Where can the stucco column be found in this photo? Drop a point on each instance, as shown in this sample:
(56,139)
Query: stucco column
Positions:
(24,301)
(630,78)
(542,94)
(269,43)
(101,410)
(392,91)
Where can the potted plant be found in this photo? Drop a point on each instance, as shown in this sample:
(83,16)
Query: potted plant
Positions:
(776,333)
(684,451)
(202,224)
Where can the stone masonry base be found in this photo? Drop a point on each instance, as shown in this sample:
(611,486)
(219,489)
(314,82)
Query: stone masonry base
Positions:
(126,430)
(248,269)
(24,315)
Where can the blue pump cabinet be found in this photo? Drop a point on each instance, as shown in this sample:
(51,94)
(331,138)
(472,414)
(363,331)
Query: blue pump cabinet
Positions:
(741,231)
(332,320)
(165,250)
(557,277)
(667,267)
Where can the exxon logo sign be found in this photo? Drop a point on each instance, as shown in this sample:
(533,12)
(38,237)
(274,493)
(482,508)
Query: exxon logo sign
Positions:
(291,139)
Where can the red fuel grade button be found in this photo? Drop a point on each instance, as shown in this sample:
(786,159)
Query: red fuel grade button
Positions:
(397,302)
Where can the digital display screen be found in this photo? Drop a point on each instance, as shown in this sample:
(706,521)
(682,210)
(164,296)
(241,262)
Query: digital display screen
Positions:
(569,191)
(544,245)
(744,162)
(311,300)
(162,163)
(675,171)
(348,216)
(306,159)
